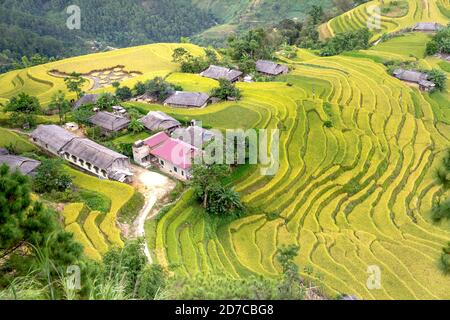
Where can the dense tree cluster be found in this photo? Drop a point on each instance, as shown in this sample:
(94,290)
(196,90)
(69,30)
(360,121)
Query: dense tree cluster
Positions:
(440,42)
(347,41)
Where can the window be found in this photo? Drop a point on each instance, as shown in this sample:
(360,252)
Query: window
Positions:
(67,155)
(104,173)
(182,173)
(175,169)
(89,165)
(74,158)
(96,170)
(82,162)
(162,162)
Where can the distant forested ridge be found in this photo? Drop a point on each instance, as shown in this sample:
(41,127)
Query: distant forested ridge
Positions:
(32,27)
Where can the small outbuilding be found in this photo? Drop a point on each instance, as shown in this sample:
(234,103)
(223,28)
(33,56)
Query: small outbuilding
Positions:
(109,122)
(182,99)
(427,27)
(25,165)
(156,121)
(416,77)
(217,72)
(271,68)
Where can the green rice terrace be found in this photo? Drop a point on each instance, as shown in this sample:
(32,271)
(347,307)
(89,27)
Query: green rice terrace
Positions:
(353,194)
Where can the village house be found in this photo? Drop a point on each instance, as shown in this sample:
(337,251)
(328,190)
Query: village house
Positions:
(427,27)
(270,68)
(109,122)
(170,155)
(88,99)
(182,99)
(156,121)
(415,77)
(194,135)
(83,153)
(24,165)
(217,72)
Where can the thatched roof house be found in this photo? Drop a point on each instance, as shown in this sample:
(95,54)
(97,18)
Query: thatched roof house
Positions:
(271,68)
(84,153)
(417,77)
(146,97)
(85,100)
(427,27)
(217,72)
(24,165)
(109,122)
(159,121)
(182,99)
(194,135)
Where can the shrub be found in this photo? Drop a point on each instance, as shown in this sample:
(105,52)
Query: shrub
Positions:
(95,201)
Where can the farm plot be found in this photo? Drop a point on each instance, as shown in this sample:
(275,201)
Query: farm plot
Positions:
(352,195)
(366,14)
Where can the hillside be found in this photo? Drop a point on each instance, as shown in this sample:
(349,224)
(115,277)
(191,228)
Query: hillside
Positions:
(359,152)
(392,19)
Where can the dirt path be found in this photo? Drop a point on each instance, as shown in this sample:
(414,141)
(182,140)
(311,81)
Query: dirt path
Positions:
(154,187)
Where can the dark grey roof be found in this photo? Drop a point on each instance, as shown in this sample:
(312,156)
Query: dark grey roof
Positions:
(86,99)
(52,135)
(410,75)
(92,152)
(189,99)
(270,67)
(109,121)
(427,84)
(159,121)
(194,135)
(216,72)
(427,26)
(24,165)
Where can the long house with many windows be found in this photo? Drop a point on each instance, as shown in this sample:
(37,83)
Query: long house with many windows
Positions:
(83,153)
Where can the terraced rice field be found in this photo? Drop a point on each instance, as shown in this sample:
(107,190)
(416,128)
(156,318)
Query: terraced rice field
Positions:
(351,196)
(96,231)
(151,60)
(418,11)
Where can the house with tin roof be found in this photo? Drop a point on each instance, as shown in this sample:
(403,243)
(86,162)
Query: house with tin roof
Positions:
(415,77)
(156,121)
(83,153)
(173,156)
(87,99)
(194,135)
(109,122)
(26,166)
(183,99)
(427,27)
(271,68)
(217,72)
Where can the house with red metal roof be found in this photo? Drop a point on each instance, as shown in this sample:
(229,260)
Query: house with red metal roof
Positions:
(170,155)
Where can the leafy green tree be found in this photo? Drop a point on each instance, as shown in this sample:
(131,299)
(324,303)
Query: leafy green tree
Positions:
(224,201)
(160,88)
(226,90)
(180,55)
(124,93)
(74,83)
(347,41)
(316,14)
(115,84)
(60,104)
(438,77)
(106,101)
(254,44)
(136,126)
(24,109)
(206,179)
(82,114)
(291,286)
(51,176)
(139,88)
